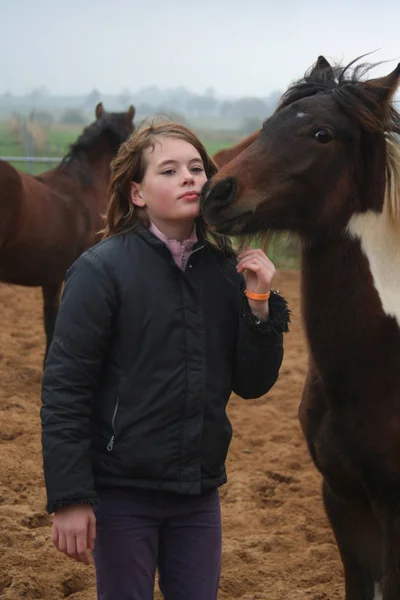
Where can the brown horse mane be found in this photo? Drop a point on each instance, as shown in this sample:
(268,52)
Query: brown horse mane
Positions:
(350,91)
(74,162)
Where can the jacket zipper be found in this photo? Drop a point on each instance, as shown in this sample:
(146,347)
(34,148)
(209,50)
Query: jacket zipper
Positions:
(110,444)
(190,256)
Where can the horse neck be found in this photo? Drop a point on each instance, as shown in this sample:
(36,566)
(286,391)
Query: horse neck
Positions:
(98,158)
(335,278)
(349,333)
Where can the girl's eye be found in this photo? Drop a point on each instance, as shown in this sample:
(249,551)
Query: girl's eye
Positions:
(168,172)
(198,169)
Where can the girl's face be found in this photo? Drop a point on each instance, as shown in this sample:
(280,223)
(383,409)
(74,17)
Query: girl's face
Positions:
(170,189)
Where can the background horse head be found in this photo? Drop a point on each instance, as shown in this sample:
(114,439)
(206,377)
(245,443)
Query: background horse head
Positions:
(226,154)
(49,220)
(326,165)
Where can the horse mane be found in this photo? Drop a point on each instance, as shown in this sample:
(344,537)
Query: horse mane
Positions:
(348,88)
(392,191)
(74,162)
(85,141)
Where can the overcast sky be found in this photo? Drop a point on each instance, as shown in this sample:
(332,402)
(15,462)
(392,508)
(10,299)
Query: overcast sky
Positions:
(237,47)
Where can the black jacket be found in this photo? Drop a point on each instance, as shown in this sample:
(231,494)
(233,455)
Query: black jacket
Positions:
(141,367)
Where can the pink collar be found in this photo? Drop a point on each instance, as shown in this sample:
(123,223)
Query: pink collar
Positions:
(180,250)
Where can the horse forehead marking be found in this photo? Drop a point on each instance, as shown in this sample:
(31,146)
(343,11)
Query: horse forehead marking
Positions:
(301,115)
(380,242)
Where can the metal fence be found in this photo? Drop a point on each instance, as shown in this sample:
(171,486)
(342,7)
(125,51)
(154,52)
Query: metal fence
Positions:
(19,147)
(33,164)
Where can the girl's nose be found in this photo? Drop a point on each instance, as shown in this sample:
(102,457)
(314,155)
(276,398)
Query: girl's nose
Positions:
(188,176)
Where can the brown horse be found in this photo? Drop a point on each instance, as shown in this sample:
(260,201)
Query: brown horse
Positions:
(327,166)
(46,222)
(227,154)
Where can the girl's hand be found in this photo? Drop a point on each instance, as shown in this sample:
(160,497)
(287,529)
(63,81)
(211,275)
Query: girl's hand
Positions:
(74,531)
(259,274)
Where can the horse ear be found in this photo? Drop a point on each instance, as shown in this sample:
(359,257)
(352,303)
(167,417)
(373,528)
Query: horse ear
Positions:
(384,88)
(99,110)
(131,113)
(323,69)
(322,63)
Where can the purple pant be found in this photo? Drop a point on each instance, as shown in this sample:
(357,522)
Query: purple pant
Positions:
(139,531)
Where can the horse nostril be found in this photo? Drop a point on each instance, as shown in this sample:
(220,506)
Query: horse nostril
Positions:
(228,186)
(224,192)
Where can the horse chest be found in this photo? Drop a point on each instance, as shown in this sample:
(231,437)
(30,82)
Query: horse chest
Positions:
(380,242)
(356,447)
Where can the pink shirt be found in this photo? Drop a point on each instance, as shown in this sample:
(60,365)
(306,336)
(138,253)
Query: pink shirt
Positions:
(180,250)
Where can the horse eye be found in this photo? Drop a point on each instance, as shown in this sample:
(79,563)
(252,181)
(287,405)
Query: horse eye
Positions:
(323,136)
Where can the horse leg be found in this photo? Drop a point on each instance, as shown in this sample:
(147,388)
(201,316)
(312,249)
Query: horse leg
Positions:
(51,301)
(359,539)
(391,554)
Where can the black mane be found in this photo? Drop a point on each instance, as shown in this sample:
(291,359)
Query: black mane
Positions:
(349,90)
(74,162)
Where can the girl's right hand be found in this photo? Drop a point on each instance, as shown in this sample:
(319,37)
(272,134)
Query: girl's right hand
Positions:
(74,531)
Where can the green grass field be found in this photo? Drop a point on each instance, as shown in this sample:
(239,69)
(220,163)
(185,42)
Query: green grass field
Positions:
(9,146)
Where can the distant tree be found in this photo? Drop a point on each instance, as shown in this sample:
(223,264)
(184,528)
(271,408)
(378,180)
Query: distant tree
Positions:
(250,107)
(201,105)
(72,116)
(38,92)
(226,108)
(210,91)
(171,114)
(250,124)
(272,100)
(144,110)
(125,98)
(93,98)
(44,117)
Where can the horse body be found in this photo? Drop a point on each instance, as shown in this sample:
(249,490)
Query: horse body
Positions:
(350,412)
(49,220)
(36,248)
(227,154)
(327,167)
(354,380)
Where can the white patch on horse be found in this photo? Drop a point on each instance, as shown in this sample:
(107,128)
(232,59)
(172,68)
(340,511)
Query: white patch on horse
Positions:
(301,115)
(380,241)
(377,591)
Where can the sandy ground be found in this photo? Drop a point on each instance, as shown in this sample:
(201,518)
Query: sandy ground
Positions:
(277,542)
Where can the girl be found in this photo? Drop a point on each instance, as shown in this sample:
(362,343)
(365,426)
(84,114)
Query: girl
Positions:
(154,332)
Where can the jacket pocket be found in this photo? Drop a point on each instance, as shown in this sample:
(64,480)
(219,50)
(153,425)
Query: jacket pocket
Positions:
(111,443)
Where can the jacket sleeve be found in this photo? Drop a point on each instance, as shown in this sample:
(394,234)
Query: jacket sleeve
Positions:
(71,376)
(259,350)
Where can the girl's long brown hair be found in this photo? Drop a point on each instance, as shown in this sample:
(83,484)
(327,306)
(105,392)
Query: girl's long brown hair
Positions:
(129,165)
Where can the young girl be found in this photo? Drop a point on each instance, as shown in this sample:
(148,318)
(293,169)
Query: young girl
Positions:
(156,328)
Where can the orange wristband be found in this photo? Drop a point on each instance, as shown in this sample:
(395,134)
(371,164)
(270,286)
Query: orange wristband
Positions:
(254,296)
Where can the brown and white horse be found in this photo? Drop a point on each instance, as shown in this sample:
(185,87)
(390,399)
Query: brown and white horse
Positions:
(326,165)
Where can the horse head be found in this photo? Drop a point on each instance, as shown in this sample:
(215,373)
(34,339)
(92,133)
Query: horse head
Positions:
(319,159)
(118,126)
